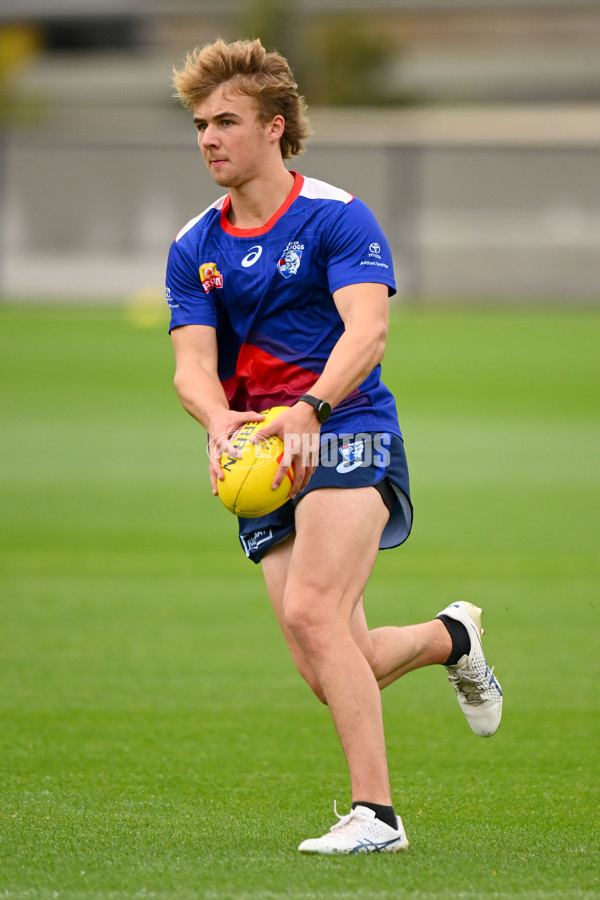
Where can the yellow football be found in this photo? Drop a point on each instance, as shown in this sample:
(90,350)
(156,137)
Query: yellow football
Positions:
(246,488)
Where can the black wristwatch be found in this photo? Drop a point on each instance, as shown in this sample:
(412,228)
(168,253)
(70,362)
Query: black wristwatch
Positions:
(321,407)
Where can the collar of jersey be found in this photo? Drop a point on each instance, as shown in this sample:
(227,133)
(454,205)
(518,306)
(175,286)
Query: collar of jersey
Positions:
(255,232)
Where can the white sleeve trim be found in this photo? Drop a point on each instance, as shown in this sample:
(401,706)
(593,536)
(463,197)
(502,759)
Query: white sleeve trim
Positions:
(218,204)
(314,189)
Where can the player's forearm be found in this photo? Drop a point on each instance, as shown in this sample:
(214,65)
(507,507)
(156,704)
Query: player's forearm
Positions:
(201,394)
(355,355)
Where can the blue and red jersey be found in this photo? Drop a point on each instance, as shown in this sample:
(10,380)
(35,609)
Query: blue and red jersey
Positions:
(268,292)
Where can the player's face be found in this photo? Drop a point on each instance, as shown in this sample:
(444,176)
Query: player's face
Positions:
(234,143)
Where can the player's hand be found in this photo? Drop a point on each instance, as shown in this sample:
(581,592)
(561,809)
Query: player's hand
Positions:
(221,428)
(299,429)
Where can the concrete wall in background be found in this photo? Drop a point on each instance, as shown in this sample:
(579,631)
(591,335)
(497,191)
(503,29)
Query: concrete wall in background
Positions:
(473,209)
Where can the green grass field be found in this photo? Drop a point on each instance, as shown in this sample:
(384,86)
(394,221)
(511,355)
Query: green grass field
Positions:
(155,740)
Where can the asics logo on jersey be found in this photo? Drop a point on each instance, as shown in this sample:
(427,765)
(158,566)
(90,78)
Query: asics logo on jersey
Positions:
(252,256)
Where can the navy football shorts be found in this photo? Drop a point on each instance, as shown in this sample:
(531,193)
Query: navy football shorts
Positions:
(369,459)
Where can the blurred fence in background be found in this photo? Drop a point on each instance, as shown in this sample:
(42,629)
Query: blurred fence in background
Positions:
(472,129)
(477,205)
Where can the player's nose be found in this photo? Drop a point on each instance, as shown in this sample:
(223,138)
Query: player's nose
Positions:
(208,137)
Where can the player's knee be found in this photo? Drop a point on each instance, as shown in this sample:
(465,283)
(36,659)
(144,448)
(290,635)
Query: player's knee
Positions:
(305,620)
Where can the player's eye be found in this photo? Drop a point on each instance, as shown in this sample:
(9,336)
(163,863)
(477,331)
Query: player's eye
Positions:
(201,126)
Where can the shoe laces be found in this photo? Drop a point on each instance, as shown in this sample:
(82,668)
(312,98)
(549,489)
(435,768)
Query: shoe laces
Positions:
(351,822)
(472,684)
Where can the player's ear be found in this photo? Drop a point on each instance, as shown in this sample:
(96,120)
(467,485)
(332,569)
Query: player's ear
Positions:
(277,127)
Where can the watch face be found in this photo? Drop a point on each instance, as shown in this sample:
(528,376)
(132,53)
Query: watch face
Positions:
(324,411)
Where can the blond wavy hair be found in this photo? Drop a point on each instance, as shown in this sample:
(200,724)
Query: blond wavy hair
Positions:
(250,69)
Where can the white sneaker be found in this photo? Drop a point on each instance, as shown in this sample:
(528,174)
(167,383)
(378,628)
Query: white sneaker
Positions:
(359,832)
(479,694)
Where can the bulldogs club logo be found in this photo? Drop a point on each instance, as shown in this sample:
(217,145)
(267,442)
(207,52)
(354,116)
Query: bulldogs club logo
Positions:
(289,262)
(352,456)
(210,276)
